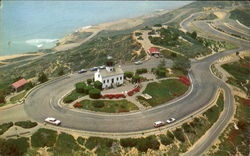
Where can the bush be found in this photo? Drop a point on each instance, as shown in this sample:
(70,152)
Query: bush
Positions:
(26,124)
(4,127)
(89,81)
(42,77)
(80,87)
(77,105)
(98,85)
(128,74)
(178,133)
(14,147)
(128,142)
(43,137)
(87,89)
(157,25)
(141,71)
(81,140)
(160,72)
(136,79)
(95,93)
(165,140)
(138,33)
(93,142)
(65,144)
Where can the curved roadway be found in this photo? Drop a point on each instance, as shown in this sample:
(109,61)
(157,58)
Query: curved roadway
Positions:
(43,101)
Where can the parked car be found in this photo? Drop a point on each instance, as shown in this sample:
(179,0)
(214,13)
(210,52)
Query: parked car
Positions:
(138,62)
(102,67)
(158,124)
(170,120)
(53,121)
(82,71)
(94,69)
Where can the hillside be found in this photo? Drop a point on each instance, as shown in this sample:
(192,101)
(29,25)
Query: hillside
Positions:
(242,15)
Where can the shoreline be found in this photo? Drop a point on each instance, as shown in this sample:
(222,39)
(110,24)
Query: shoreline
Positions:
(71,40)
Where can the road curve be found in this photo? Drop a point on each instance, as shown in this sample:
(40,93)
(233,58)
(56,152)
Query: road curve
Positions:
(43,102)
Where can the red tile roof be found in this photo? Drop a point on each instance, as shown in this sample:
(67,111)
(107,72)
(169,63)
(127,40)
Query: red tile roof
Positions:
(154,50)
(19,83)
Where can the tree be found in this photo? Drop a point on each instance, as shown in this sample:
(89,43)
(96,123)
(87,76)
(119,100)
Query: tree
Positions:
(42,77)
(87,89)
(29,85)
(95,93)
(2,98)
(136,79)
(161,72)
(237,53)
(194,34)
(89,81)
(60,72)
(80,87)
(128,74)
(98,85)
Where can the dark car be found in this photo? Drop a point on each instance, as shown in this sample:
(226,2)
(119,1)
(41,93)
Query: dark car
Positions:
(82,71)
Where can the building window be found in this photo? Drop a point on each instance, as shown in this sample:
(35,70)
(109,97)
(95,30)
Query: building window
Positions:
(107,80)
(121,78)
(112,80)
(103,81)
(117,78)
(98,75)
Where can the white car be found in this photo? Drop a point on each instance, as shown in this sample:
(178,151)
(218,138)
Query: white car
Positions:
(158,124)
(52,121)
(102,67)
(138,62)
(170,120)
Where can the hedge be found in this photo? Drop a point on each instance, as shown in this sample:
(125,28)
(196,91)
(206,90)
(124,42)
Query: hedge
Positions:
(95,93)
(4,127)
(26,124)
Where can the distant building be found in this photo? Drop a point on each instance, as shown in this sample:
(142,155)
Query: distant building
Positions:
(154,51)
(18,85)
(111,76)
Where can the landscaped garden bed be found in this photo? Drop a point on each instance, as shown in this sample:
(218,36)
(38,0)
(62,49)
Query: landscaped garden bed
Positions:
(164,91)
(26,124)
(114,106)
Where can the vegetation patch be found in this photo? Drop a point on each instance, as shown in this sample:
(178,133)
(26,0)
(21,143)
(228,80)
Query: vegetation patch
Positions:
(164,91)
(43,137)
(14,147)
(26,124)
(65,144)
(18,97)
(235,141)
(74,95)
(103,145)
(4,127)
(109,106)
(242,15)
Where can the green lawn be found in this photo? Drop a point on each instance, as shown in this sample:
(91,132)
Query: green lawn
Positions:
(19,96)
(73,96)
(242,15)
(164,91)
(44,137)
(108,106)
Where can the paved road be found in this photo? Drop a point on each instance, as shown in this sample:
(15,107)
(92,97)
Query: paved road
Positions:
(43,101)
(213,133)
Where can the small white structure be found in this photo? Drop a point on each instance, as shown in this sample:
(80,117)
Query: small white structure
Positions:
(111,76)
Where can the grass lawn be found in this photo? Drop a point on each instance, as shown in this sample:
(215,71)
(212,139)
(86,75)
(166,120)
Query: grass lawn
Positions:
(73,96)
(19,96)
(164,91)
(108,106)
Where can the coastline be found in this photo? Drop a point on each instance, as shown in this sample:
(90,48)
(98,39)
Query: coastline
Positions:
(72,40)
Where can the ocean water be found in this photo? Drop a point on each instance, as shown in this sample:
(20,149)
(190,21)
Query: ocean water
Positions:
(27,26)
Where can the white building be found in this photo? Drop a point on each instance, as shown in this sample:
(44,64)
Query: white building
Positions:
(110,76)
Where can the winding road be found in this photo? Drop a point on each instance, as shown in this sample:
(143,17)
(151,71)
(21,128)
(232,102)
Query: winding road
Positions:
(43,101)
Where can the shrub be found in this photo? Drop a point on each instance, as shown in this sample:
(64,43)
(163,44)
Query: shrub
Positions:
(42,77)
(93,142)
(26,124)
(81,140)
(98,85)
(157,25)
(138,33)
(77,105)
(4,127)
(128,74)
(178,133)
(160,72)
(12,147)
(43,137)
(128,142)
(95,93)
(80,87)
(170,135)
(87,89)
(136,79)
(165,140)
(89,81)
(141,71)
(68,99)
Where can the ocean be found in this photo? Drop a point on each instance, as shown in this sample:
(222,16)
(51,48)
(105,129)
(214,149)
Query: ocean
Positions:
(27,26)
